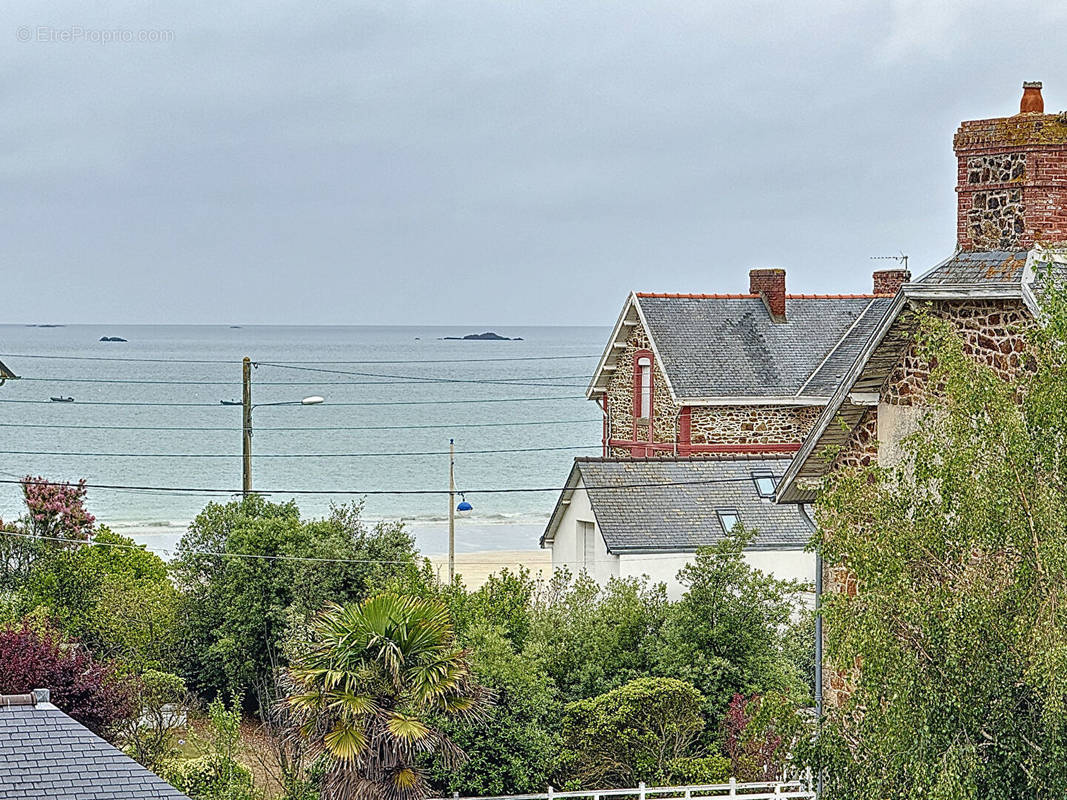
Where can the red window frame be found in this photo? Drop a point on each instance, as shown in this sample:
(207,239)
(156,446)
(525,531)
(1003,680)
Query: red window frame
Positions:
(638,387)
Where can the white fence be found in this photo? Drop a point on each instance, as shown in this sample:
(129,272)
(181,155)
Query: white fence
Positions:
(745,791)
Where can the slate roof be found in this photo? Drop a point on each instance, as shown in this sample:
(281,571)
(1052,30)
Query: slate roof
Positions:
(681,515)
(46,755)
(984,266)
(728,346)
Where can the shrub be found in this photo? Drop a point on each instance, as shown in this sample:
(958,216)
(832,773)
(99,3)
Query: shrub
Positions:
(90,691)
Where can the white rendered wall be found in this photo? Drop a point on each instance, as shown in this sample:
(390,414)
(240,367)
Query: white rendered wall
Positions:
(568,550)
(663,568)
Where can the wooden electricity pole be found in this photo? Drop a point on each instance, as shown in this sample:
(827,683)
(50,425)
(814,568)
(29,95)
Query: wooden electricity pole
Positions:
(246,403)
(451,510)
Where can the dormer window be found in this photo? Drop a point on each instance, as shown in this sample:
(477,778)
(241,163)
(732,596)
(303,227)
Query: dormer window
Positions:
(729,519)
(644,387)
(765,484)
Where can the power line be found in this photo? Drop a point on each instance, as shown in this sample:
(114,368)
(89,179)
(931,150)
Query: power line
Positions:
(263,557)
(399,492)
(417,378)
(295,455)
(236,362)
(236,384)
(261,428)
(347,404)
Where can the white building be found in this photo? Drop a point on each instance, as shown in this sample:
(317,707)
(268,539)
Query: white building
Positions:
(633,517)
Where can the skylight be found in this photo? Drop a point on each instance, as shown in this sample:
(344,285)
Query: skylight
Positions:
(765,484)
(728,518)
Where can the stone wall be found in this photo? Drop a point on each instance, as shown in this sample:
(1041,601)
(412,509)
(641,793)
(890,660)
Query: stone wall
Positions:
(861,449)
(751,424)
(993,334)
(620,395)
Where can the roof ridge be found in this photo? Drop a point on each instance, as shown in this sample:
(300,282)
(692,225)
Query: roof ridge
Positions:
(742,296)
(696,296)
(675,459)
(833,296)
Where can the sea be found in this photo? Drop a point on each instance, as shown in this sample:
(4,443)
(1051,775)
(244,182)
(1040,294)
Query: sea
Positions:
(148,416)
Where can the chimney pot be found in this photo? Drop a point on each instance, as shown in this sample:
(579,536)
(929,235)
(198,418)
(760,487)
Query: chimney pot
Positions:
(770,285)
(1032,102)
(889,281)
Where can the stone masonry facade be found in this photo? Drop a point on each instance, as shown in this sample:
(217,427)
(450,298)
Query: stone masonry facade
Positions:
(708,425)
(620,399)
(993,333)
(751,424)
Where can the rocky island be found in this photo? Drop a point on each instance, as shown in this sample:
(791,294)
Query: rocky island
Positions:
(488,336)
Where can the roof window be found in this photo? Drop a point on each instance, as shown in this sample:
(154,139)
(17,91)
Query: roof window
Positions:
(765,484)
(729,519)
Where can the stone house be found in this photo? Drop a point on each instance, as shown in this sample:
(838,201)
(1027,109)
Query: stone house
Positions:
(1011,233)
(691,374)
(771,374)
(722,389)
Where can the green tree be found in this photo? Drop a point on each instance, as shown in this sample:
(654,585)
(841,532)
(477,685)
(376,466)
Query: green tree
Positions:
(112,594)
(725,636)
(592,639)
(369,686)
(643,731)
(513,749)
(959,627)
(236,610)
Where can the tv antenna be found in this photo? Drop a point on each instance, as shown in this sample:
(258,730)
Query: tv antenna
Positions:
(901,259)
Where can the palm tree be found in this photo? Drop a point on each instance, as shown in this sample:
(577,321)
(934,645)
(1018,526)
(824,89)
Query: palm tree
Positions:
(367,687)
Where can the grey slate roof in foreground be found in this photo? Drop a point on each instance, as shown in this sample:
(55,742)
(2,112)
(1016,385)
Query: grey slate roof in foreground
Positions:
(681,517)
(46,755)
(723,346)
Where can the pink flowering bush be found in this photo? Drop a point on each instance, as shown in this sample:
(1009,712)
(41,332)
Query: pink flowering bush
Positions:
(57,509)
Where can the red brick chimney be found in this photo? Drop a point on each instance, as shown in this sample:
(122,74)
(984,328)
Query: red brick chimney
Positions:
(889,281)
(770,285)
(1012,178)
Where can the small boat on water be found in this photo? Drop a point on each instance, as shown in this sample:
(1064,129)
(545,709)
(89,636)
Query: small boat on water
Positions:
(230,402)
(61,399)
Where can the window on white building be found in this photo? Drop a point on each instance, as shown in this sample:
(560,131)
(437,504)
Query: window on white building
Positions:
(587,545)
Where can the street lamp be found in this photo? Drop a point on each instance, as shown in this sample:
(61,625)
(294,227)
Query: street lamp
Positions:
(463,509)
(247,405)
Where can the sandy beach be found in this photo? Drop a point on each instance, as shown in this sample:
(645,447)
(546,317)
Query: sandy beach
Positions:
(475,568)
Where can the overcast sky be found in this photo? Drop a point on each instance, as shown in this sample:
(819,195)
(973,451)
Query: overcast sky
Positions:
(510,161)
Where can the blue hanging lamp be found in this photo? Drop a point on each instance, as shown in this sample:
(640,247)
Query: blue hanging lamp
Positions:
(464,507)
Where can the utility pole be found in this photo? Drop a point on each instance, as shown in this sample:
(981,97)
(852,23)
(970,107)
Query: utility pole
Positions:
(451,510)
(246,403)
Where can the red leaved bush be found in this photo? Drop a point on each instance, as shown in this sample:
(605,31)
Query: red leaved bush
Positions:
(751,744)
(90,691)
